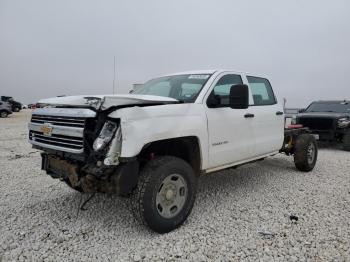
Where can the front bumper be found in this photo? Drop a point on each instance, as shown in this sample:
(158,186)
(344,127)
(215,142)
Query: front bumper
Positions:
(119,180)
(329,135)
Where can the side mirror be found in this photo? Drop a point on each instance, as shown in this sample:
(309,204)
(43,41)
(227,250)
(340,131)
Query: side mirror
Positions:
(239,97)
(302,110)
(131,91)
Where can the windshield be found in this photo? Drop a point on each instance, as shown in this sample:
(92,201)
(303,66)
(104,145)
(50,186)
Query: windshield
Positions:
(336,107)
(184,88)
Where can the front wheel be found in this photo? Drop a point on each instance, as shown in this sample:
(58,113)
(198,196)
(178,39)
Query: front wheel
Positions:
(3,114)
(165,193)
(346,141)
(305,154)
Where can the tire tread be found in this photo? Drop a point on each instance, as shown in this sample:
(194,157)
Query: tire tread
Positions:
(300,154)
(145,178)
(346,141)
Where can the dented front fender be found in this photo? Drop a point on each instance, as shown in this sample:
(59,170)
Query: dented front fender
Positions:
(143,125)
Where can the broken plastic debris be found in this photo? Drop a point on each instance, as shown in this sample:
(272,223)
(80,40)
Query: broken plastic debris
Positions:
(266,233)
(293,218)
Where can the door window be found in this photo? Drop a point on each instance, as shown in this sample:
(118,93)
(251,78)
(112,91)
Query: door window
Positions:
(261,90)
(222,88)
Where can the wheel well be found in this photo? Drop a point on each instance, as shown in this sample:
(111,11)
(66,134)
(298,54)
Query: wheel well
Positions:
(186,148)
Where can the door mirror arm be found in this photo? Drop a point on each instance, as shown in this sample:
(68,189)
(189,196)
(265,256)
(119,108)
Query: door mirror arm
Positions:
(213,101)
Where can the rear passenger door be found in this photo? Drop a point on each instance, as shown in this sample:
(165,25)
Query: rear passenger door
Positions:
(268,124)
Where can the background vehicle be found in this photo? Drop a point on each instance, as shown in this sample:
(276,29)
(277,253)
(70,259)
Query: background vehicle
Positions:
(328,120)
(5,109)
(290,114)
(154,143)
(16,106)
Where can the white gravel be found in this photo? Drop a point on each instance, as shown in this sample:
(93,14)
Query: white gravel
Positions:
(239,214)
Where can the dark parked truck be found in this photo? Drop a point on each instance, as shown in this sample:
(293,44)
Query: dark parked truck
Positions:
(5,109)
(15,106)
(328,120)
(154,143)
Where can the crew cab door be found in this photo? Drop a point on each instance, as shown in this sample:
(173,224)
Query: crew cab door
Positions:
(268,124)
(230,130)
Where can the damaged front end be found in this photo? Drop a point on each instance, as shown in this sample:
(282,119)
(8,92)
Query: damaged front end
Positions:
(82,147)
(119,179)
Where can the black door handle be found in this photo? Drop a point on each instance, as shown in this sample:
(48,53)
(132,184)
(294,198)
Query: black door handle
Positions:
(248,115)
(279,113)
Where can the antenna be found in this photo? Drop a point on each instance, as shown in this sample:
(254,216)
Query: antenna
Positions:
(284,110)
(114,75)
(284,103)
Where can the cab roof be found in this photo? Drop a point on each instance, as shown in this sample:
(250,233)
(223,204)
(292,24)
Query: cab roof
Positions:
(213,71)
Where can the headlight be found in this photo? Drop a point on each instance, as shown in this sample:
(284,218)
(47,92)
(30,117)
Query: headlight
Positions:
(105,135)
(343,122)
(113,154)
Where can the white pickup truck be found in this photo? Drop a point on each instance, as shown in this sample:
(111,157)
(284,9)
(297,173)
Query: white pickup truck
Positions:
(153,144)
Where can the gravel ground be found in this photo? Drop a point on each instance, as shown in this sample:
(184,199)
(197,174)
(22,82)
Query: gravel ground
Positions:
(239,214)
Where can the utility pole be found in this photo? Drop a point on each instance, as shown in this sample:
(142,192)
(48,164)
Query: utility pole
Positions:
(114,76)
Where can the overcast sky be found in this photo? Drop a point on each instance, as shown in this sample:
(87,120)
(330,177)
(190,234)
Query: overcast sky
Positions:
(66,47)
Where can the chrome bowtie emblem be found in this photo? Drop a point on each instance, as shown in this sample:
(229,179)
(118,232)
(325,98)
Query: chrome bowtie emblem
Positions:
(46,128)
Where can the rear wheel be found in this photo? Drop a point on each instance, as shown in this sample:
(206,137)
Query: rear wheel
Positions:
(165,193)
(305,154)
(16,109)
(3,114)
(346,141)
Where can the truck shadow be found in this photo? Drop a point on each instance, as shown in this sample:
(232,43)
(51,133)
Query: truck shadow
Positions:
(253,176)
(329,145)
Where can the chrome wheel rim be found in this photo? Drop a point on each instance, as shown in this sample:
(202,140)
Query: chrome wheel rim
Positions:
(311,153)
(3,114)
(171,196)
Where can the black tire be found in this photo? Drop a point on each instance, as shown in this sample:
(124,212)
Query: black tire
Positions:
(16,109)
(79,189)
(305,153)
(3,114)
(346,141)
(149,189)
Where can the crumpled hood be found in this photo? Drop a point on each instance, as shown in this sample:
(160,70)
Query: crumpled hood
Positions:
(103,102)
(322,115)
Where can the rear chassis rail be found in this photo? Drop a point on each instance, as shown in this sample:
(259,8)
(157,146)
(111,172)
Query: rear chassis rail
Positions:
(290,137)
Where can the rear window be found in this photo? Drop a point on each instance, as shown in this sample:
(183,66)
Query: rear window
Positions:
(261,90)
